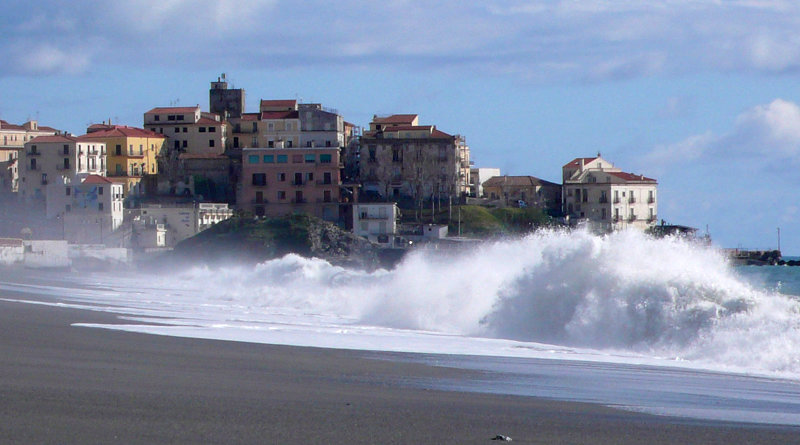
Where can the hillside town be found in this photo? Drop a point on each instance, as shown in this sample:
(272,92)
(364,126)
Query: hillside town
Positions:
(121,189)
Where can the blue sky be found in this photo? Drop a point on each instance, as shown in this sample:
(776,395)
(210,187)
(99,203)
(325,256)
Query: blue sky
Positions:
(702,95)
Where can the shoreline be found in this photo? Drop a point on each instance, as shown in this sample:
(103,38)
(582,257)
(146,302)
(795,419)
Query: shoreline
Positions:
(71,384)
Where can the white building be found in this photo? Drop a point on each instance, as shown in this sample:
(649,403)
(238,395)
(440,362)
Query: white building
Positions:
(89,211)
(375,221)
(183,221)
(598,192)
(58,159)
(477,176)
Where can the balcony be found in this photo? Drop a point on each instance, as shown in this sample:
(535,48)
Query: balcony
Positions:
(652,218)
(616,200)
(33,153)
(299,201)
(259,184)
(603,201)
(298,183)
(632,218)
(631,200)
(324,182)
(651,200)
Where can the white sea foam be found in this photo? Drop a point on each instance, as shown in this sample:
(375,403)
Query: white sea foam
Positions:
(622,295)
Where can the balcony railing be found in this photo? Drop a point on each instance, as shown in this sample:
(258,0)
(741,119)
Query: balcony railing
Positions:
(299,201)
(325,182)
(603,201)
(616,200)
(651,200)
(632,218)
(33,153)
(259,184)
(298,183)
(631,200)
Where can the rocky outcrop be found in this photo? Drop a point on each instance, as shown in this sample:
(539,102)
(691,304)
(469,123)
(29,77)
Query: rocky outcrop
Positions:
(255,240)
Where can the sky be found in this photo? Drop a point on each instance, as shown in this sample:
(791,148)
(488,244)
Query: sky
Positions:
(702,95)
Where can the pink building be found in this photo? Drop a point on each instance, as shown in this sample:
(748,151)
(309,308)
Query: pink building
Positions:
(281,181)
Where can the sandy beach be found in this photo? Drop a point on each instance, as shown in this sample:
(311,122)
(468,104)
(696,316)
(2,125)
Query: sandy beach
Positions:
(65,384)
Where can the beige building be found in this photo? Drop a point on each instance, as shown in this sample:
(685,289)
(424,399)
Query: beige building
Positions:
(521,191)
(478,176)
(400,158)
(376,221)
(58,159)
(13,138)
(178,222)
(609,199)
(188,129)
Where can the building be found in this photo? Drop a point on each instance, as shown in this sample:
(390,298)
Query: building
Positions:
(521,191)
(284,180)
(596,191)
(13,138)
(225,102)
(131,153)
(194,152)
(89,210)
(400,158)
(178,222)
(477,176)
(376,221)
(58,159)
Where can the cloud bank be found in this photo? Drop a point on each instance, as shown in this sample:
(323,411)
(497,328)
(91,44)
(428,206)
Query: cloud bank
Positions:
(543,40)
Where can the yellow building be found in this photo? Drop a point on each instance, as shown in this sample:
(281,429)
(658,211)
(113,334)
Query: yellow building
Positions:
(132,153)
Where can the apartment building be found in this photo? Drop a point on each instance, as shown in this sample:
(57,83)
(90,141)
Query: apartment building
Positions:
(596,191)
(376,221)
(282,180)
(477,177)
(13,138)
(188,130)
(400,158)
(89,206)
(131,153)
(58,159)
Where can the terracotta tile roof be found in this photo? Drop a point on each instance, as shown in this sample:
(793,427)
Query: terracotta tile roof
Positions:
(630,177)
(440,134)
(201,156)
(518,181)
(96,179)
(396,119)
(266,115)
(10,242)
(167,110)
(51,139)
(288,103)
(122,131)
(577,162)
(6,126)
(250,116)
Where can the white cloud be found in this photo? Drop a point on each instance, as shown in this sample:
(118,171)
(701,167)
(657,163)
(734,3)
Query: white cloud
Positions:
(49,59)
(766,136)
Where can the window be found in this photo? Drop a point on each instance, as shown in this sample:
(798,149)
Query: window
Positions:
(100,206)
(66,149)
(259,179)
(180,117)
(118,150)
(326,178)
(68,191)
(66,163)
(100,190)
(325,159)
(328,143)
(270,143)
(157,117)
(177,129)
(326,196)
(212,129)
(308,143)
(289,144)
(252,159)
(298,179)
(185,143)
(309,176)
(185,129)
(281,177)
(310,159)
(211,142)
(171,117)
(202,129)
(269,159)
(281,195)
(271,126)
(141,149)
(282,159)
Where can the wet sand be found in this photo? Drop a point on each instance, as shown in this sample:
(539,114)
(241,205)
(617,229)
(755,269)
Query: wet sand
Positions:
(65,384)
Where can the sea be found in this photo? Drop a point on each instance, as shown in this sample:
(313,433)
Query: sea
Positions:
(663,326)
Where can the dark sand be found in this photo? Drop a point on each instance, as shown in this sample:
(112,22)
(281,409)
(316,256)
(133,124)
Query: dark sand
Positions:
(64,384)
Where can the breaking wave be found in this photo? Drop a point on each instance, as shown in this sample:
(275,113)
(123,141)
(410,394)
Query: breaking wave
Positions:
(622,292)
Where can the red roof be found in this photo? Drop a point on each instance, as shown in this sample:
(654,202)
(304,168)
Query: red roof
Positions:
(250,116)
(409,128)
(201,156)
(288,103)
(630,177)
(122,131)
(395,119)
(50,139)
(10,242)
(577,162)
(96,179)
(518,181)
(266,115)
(167,110)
